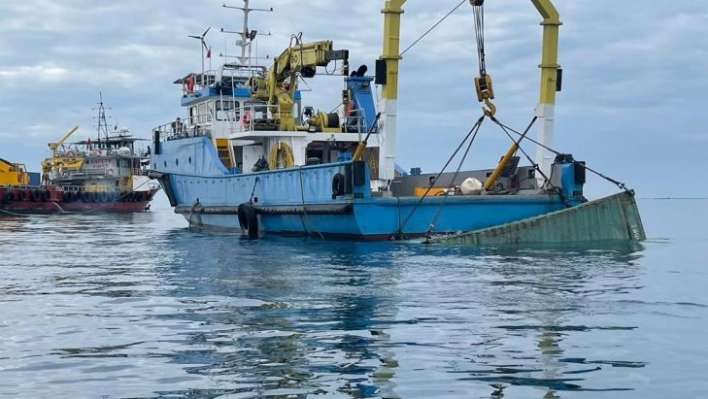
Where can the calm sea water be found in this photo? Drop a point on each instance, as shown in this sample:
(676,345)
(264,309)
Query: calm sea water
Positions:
(139,306)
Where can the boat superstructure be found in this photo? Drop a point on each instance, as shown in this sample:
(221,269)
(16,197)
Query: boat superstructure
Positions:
(108,173)
(250,156)
(12,173)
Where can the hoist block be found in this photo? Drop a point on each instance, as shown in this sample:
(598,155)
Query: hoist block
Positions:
(483,84)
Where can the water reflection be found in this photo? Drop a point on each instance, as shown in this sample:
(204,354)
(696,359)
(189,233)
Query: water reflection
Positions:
(542,291)
(330,312)
(133,308)
(315,330)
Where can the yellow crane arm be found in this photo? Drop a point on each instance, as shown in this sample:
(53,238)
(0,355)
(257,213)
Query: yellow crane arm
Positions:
(54,145)
(278,85)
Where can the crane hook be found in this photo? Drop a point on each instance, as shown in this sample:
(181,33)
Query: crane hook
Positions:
(491,108)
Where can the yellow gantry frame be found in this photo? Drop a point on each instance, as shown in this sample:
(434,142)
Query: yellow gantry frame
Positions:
(549,71)
(549,50)
(392,39)
(549,60)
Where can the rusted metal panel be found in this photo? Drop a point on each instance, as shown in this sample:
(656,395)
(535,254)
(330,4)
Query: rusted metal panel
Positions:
(612,218)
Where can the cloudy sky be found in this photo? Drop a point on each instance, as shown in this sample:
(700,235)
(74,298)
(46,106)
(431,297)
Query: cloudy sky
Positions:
(633,103)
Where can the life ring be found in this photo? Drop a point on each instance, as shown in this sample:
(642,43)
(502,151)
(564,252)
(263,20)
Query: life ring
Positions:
(281,154)
(337,185)
(246,120)
(189,84)
(248,220)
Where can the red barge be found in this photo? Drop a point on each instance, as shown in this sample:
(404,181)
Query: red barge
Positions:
(108,174)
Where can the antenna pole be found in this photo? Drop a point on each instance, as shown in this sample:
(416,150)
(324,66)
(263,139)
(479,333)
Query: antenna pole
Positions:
(102,124)
(247,36)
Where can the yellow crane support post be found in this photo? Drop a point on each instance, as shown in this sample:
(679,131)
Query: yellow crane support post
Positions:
(387,77)
(550,83)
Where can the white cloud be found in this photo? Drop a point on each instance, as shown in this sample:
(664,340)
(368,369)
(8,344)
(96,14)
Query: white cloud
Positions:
(40,73)
(634,75)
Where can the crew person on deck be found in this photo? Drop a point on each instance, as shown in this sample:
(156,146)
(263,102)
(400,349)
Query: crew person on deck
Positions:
(178,126)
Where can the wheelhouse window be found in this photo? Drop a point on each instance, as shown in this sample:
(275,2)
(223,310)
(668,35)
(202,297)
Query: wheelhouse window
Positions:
(201,113)
(258,108)
(192,115)
(227,110)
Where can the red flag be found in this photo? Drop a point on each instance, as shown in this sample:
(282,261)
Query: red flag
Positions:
(209,52)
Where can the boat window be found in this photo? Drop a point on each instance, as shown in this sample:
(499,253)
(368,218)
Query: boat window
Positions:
(192,115)
(258,108)
(201,111)
(227,110)
(210,107)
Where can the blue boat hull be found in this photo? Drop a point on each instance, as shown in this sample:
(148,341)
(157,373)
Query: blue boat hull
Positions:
(300,200)
(378,218)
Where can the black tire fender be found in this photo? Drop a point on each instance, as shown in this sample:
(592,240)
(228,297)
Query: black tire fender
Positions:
(8,198)
(248,219)
(337,185)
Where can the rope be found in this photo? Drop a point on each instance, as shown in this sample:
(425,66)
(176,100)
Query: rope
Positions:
(11,213)
(438,211)
(304,212)
(60,208)
(478,12)
(253,192)
(523,136)
(433,27)
(398,234)
(191,212)
(546,179)
(619,184)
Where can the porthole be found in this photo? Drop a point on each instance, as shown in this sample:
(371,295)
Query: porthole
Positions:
(177,162)
(190,160)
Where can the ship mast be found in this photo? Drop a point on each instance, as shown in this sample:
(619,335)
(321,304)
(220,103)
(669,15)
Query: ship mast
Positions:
(102,127)
(247,35)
